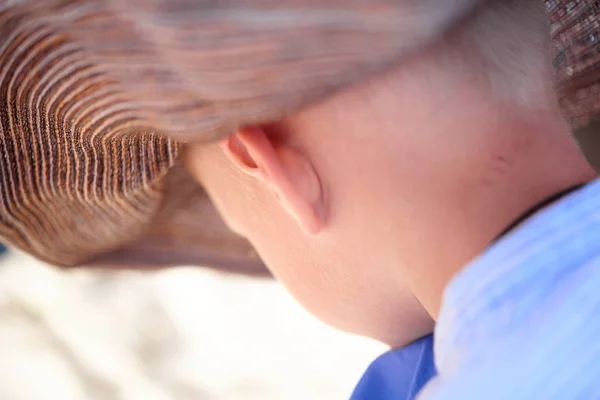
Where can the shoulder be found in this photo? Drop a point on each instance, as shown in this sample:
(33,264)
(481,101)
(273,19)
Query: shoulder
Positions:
(522,319)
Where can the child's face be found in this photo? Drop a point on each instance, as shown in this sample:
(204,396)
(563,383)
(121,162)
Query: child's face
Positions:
(387,209)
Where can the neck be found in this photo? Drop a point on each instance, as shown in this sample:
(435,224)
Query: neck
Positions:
(545,164)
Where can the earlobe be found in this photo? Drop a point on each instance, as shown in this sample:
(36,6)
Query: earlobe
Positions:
(284,171)
(304,199)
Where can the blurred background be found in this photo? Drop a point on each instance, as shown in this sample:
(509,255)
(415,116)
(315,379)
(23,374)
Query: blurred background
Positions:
(183,333)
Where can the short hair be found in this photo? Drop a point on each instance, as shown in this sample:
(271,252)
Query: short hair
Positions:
(508,42)
(503,45)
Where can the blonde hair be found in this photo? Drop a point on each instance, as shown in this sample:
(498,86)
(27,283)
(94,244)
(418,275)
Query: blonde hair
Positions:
(510,42)
(503,46)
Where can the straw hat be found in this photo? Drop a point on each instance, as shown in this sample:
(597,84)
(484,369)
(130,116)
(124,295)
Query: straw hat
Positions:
(100,98)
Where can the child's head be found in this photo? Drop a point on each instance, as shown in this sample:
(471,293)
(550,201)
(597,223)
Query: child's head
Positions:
(366,204)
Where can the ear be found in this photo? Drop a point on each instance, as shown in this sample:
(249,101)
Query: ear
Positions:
(284,171)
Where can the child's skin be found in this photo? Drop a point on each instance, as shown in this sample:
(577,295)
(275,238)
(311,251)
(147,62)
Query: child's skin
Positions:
(367,204)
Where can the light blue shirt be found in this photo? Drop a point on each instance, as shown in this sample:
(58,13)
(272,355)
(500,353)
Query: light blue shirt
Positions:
(522,321)
(398,374)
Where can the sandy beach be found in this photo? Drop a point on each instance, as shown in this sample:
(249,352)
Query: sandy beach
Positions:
(184,333)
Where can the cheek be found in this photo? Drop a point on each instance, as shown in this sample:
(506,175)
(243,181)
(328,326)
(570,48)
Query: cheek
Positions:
(305,274)
(228,189)
(322,277)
